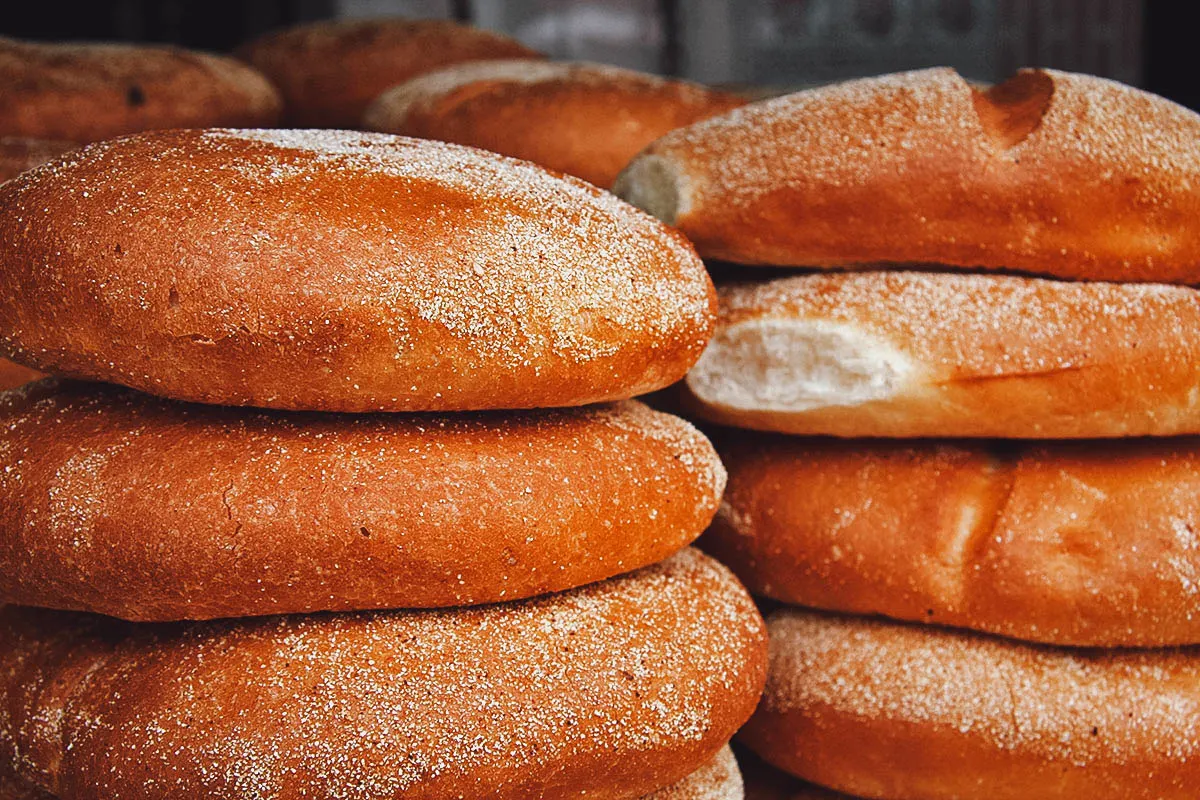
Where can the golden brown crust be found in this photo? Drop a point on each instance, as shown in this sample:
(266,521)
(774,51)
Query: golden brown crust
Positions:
(338,271)
(887,710)
(719,779)
(328,72)
(1091,544)
(1050,173)
(121,504)
(902,354)
(19,154)
(88,92)
(611,691)
(586,120)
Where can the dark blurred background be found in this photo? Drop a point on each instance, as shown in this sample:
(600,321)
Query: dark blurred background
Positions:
(769,43)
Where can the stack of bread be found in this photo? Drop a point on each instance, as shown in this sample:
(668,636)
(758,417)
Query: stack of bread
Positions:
(362,507)
(1012,265)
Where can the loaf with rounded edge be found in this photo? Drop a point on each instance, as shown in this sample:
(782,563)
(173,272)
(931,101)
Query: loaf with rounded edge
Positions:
(587,120)
(1069,543)
(118,503)
(904,354)
(85,92)
(609,691)
(889,710)
(718,779)
(1048,173)
(16,156)
(341,271)
(329,71)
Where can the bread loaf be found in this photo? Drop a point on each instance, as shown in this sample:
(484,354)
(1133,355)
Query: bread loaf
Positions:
(118,503)
(586,120)
(887,710)
(337,271)
(1048,173)
(329,71)
(611,691)
(85,92)
(902,354)
(1084,543)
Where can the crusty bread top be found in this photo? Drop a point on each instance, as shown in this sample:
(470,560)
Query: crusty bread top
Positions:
(1049,173)
(329,71)
(608,691)
(20,154)
(1067,706)
(341,271)
(580,118)
(122,504)
(85,92)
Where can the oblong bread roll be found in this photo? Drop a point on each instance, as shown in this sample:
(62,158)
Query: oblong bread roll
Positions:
(611,691)
(903,354)
(119,503)
(88,91)
(1049,173)
(329,71)
(587,120)
(341,271)
(886,710)
(1085,543)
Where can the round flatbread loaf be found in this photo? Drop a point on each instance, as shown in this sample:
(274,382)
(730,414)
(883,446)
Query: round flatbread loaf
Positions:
(887,710)
(611,691)
(119,503)
(339,271)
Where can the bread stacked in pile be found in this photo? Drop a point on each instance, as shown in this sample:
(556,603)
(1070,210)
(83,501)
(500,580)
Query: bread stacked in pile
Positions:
(1066,573)
(333,560)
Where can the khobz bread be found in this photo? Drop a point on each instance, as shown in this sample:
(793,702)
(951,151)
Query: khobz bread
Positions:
(610,691)
(587,120)
(328,72)
(901,354)
(887,710)
(339,271)
(145,509)
(1086,543)
(85,92)
(1049,173)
